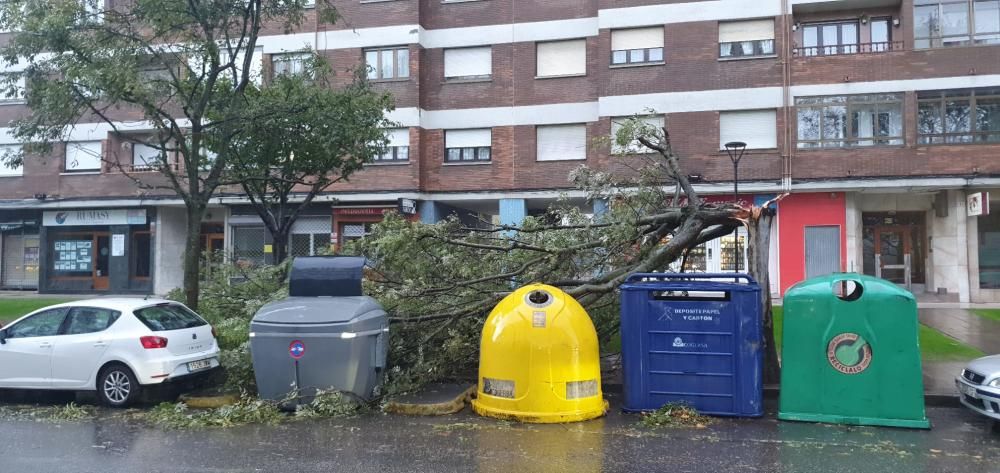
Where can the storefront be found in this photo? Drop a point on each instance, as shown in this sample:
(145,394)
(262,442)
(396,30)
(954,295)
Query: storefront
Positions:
(96,250)
(19,254)
(355,222)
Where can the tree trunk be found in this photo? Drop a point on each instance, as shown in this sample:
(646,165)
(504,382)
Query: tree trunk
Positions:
(759,232)
(280,245)
(192,255)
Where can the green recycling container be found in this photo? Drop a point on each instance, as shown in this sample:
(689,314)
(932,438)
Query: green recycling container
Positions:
(851,353)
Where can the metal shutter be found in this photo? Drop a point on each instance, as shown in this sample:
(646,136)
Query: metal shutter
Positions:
(561,142)
(757,128)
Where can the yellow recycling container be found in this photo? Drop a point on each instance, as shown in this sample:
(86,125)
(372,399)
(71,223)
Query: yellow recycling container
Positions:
(539,360)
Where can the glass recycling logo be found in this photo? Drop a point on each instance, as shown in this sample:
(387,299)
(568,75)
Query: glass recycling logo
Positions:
(848,353)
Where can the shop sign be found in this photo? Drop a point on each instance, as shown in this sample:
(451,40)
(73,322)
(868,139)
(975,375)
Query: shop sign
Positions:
(76,218)
(360,211)
(978,204)
(407,206)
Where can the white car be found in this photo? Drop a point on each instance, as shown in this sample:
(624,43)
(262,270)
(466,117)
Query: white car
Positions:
(114,346)
(979,386)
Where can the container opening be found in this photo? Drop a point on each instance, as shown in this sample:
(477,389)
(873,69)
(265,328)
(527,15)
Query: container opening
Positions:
(847,290)
(538,299)
(690,295)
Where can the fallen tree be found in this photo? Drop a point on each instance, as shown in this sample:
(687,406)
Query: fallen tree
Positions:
(440,281)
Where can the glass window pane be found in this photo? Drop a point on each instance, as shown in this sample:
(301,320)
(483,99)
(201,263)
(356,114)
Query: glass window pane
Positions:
(725,49)
(371,60)
(929,119)
(834,122)
(454,154)
(880,31)
(167,317)
(863,122)
(89,320)
(403,153)
(44,324)
(655,54)
(387,63)
(809,123)
(988,119)
(955,19)
(484,154)
(810,36)
(637,55)
(619,57)
(926,21)
(767,46)
(987,16)
(468,154)
(957,117)
(140,254)
(890,120)
(402,63)
(849,33)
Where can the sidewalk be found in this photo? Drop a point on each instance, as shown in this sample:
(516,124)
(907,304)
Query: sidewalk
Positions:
(964,326)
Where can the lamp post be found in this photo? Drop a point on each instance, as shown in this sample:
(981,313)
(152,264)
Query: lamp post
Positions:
(735,150)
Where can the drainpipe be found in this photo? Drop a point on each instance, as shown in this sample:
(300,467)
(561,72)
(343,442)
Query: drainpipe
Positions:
(786,80)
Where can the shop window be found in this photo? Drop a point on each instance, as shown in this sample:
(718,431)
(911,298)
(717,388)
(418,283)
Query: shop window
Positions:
(72,256)
(141,262)
(248,244)
(989,251)
(309,244)
(354,231)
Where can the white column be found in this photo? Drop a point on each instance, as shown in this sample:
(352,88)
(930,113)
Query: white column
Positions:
(169,241)
(853,234)
(961,220)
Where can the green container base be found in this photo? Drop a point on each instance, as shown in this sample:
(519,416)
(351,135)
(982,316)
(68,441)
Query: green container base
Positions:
(835,419)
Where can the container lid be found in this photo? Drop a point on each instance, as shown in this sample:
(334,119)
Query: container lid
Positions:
(315,276)
(316,310)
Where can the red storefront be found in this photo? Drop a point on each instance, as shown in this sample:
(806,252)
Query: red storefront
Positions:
(812,236)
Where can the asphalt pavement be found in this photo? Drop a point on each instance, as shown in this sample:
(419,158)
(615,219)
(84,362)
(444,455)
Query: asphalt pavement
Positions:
(959,442)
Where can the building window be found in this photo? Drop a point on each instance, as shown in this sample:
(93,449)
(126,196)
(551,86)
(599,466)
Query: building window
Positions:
(757,128)
(746,38)
(465,146)
(852,120)
(248,245)
(989,250)
(141,262)
(945,23)
(561,142)
(959,116)
(235,73)
(829,39)
(398,149)
(468,63)
(637,46)
(92,11)
(561,58)
(635,147)
(144,157)
(388,63)
(354,231)
(8,152)
(881,34)
(83,156)
(290,64)
(12,89)
(310,236)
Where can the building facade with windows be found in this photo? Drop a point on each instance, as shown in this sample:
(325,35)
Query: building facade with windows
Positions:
(879,118)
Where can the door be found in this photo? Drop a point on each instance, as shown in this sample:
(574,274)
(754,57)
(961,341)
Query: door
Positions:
(102,262)
(78,353)
(822,250)
(26,356)
(892,245)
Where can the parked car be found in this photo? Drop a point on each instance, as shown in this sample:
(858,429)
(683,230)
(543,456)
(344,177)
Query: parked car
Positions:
(114,346)
(979,386)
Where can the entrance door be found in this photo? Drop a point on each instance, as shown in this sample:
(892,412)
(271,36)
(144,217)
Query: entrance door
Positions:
(822,251)
(102,262)
(893,249)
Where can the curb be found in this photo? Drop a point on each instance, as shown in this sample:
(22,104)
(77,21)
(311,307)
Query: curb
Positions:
(209,402)
(449,406)
(771,393)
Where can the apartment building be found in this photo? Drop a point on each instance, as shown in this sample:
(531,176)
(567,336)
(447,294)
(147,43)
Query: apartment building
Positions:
(880,118)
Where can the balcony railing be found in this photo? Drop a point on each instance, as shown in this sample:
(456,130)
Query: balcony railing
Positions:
(848,49)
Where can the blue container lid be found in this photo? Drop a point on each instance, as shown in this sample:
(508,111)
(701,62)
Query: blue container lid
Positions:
(690,282)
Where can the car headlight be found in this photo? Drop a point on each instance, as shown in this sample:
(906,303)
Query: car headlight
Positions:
(995,383)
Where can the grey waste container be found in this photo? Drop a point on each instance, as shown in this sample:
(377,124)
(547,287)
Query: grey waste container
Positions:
(304,343)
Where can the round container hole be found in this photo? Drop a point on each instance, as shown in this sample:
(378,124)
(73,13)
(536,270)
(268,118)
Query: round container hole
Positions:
(539,297)
(847,290)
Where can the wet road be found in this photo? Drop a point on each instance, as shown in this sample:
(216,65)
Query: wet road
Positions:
(959,442)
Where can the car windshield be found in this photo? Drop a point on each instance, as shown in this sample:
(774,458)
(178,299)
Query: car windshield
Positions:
(169,317)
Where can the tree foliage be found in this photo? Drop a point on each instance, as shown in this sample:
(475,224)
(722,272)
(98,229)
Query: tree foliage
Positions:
(179,70)
(303,136)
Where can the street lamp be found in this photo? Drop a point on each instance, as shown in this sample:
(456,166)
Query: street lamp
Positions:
(735,150)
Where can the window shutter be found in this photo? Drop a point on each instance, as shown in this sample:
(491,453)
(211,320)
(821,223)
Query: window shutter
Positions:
(83,156)
(562,58)
(756,128)
(468,138)
(466,62)
(4,169)
(399,137)
(561,142)
(736,31)
(639,38)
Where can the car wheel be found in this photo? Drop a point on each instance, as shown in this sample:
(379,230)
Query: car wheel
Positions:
(117,386)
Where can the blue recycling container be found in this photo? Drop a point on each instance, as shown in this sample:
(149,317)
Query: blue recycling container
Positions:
(692,338)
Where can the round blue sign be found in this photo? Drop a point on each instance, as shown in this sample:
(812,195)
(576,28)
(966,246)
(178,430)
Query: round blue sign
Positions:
(297,349)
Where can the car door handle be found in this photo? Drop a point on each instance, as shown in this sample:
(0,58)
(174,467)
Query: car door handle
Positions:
(45,345)
(101,344)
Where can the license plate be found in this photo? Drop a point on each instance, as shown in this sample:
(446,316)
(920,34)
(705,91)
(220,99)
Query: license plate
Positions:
(199,365)
(968,391)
